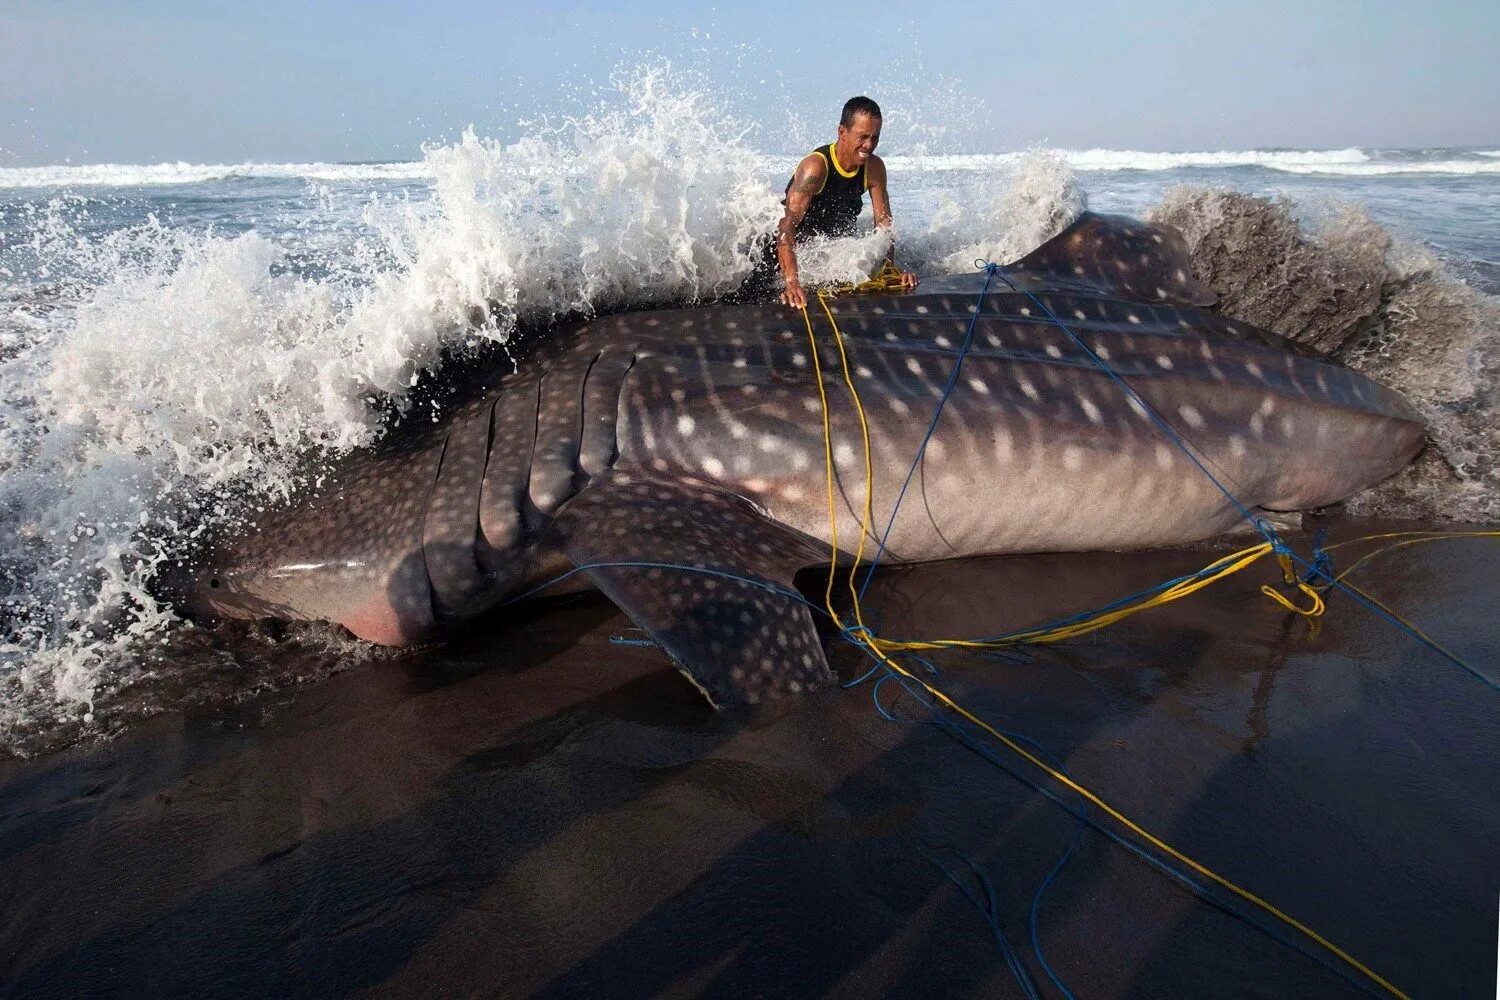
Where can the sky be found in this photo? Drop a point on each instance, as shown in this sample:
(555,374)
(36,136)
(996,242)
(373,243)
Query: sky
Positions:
(146,81)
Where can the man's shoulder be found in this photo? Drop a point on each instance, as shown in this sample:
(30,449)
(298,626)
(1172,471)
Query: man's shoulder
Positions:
(874,166)
(814,162)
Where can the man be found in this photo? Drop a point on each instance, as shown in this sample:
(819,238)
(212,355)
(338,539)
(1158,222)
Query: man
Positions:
(825,195)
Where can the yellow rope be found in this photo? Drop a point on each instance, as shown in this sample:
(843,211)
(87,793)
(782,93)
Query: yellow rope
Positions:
(880,647)
(887,279)
(1412,538)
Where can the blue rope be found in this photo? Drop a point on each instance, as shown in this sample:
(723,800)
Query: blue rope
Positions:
(990,271)
(1266,531)
(965,736)
(990,908)
(1313,571)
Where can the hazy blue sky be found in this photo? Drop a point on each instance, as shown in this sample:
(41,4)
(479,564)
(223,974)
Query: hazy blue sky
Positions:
(275,80)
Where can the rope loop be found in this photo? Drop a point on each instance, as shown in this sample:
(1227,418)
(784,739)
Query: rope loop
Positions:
(1315,608)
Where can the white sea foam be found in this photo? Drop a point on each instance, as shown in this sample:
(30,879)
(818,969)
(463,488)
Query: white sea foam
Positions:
(1351,162)
(159,174)
(1340,162)
(173,366)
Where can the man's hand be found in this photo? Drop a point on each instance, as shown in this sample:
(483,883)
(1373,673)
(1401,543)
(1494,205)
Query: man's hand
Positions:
(793,295)
(908,280)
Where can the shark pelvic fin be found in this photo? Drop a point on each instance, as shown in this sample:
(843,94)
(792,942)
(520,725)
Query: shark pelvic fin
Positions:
(707,576)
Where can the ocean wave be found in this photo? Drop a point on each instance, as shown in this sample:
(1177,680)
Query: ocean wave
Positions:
(170,174)
(1352,162)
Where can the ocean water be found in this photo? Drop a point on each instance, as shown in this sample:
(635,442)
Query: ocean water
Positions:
(182,340)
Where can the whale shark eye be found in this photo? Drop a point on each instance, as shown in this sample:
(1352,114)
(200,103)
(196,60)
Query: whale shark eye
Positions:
(214,583)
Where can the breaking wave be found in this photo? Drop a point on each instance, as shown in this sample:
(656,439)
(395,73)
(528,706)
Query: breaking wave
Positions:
(1350,162)
(1387,308)
(129,175)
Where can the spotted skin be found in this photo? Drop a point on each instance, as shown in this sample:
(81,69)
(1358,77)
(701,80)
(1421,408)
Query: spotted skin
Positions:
(715,413)
(727,616)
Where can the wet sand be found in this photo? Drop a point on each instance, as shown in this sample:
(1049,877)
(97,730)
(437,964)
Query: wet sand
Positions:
(537,810)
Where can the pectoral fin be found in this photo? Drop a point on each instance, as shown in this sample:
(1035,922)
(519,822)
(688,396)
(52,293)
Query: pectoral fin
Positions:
(707,576)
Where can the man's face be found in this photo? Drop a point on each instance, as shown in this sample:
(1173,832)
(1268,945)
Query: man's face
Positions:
(862,137)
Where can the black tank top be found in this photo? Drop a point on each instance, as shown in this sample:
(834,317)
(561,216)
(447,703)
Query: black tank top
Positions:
(835,208)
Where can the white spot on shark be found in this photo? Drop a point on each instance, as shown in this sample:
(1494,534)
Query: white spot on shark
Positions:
(979,386)
(1164,361)
(685,425)
(1190,415)
(914,366)
(1090,410)
(1027,388)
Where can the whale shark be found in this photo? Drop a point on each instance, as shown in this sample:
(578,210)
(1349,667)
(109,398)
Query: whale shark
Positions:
(675,458)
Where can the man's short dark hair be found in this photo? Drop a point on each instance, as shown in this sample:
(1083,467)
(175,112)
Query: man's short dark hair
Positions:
(858,106)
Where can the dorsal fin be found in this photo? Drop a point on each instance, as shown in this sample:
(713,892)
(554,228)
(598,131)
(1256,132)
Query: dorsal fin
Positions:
(1115,256)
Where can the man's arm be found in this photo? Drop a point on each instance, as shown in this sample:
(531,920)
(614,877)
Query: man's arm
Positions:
(811,174)
(880,203)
